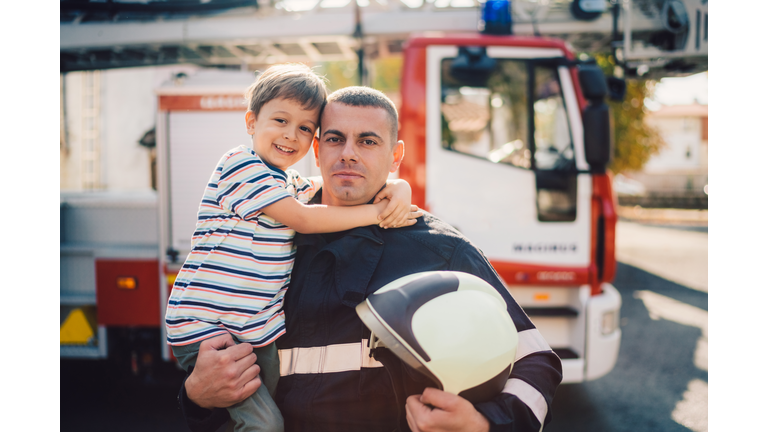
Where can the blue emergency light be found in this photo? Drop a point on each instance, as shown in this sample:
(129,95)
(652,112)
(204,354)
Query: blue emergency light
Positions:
(496,17)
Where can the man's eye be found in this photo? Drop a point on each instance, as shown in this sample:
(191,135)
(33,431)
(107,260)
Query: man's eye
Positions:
(369,142)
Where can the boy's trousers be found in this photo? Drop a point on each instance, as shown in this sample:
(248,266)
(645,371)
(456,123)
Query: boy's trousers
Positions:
(259,411)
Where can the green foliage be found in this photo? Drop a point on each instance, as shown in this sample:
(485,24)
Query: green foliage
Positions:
(340,74)
(384,74)
(635,140)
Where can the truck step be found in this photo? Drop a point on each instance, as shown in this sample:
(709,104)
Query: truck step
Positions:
(565,353)
(551,311)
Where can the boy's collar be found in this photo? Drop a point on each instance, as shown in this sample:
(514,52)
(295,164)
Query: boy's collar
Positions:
(269,165)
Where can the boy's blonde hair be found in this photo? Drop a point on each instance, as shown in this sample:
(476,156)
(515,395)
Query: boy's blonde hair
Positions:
(293,81)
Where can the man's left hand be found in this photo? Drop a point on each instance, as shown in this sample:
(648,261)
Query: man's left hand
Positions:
(450,413)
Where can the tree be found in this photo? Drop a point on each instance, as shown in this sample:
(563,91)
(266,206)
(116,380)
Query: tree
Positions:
(635,140)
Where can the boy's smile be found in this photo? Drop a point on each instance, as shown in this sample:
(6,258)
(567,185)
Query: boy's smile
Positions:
(282,132)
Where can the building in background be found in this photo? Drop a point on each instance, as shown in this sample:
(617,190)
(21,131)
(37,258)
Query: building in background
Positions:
(677,175)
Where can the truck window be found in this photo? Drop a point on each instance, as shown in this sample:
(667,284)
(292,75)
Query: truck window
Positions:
(516,117)
(491,121)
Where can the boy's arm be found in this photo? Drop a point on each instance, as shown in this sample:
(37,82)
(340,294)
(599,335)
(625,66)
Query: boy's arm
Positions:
(314,219)
(399,211)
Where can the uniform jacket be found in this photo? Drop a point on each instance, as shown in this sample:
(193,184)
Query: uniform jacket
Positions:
(333,273)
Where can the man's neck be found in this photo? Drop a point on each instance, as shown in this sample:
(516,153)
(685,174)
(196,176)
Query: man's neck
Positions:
(328,199)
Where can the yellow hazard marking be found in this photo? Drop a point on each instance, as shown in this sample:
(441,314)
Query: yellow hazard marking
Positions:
(171,278)
(541,296)
(76,330)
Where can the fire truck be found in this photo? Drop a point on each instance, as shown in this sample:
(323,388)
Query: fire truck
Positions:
(507,139)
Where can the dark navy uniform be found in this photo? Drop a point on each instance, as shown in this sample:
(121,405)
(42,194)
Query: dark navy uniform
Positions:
(330,382)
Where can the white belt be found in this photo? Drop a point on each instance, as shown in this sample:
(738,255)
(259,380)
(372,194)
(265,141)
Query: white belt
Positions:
(327,359)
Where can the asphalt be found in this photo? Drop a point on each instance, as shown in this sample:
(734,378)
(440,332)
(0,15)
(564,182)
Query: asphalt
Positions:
(678,255)
(660,381)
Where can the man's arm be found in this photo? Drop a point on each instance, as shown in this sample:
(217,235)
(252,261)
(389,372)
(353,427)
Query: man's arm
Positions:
(524,403)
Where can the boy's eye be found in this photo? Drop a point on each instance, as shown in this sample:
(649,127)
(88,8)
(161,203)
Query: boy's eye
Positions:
(306,129)
(279,120)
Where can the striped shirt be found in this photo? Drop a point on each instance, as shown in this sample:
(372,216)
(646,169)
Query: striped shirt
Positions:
(235,277)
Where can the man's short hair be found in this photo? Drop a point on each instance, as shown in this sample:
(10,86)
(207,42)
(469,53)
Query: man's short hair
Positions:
(367,97)
(294,81)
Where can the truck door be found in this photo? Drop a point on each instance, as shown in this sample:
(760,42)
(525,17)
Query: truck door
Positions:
(505,161)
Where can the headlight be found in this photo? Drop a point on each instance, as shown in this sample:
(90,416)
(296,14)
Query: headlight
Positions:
(610,322)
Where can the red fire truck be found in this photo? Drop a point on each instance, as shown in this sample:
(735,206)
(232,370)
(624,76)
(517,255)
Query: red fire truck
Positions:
(507,139)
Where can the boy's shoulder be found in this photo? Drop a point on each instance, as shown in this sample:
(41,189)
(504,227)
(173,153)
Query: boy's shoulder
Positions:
(242,157)
(239,153)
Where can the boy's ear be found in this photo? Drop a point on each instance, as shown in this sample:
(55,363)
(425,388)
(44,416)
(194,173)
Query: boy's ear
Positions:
(316,150)
(250,122)
(398,154)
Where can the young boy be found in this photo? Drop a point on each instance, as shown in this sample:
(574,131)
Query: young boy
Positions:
(235,277)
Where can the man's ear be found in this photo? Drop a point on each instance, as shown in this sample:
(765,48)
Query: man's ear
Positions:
(316,149)
(398,153)
(250,122)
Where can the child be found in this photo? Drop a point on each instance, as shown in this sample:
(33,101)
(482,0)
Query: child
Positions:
(235,277)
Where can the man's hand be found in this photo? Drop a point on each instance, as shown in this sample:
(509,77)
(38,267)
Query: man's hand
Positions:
(450,413)
(225,373)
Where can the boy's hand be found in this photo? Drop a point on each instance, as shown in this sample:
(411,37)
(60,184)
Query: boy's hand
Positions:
(399,212)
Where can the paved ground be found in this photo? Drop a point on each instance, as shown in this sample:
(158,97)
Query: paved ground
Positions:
(660,382)
(678,254)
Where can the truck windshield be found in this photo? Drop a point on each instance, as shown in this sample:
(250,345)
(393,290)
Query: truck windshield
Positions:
(513,112)
(518,117)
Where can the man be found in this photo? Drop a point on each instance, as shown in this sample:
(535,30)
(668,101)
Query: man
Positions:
(328,379)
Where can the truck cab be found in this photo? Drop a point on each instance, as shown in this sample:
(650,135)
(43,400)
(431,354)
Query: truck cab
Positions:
(507,139)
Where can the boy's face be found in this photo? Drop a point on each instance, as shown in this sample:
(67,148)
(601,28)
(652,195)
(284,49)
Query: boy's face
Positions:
(282,132)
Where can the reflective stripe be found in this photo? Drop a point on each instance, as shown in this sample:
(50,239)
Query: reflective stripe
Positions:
(530,397)
(326,359)
(529,342)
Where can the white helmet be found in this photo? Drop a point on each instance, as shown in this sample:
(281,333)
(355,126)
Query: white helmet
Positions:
(452,327)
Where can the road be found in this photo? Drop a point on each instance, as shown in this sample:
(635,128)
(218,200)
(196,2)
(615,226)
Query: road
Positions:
(659,382)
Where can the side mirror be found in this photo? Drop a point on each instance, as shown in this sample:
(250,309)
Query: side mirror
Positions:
(592,80)
(598,125)
(617,89)
(598,136)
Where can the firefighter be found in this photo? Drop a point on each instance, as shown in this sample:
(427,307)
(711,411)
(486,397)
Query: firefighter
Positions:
(328,379)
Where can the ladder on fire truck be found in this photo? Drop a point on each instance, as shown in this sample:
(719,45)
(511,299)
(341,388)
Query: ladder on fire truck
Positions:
(650,36)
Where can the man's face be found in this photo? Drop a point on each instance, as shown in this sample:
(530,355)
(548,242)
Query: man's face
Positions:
(355,153)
